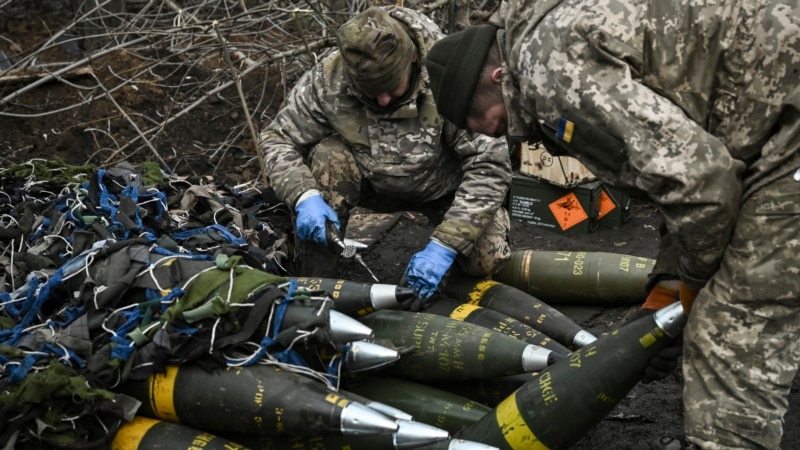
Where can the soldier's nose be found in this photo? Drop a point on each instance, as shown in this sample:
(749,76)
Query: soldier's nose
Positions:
(384,99)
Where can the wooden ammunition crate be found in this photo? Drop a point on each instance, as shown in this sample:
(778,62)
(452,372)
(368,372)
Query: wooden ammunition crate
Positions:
(562,171)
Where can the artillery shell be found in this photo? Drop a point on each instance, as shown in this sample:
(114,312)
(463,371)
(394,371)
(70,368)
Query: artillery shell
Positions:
(427,404)
(409,434)
(576,393)
(383,408)
(447,349)
(521,306)
(255,399)
(357,299)
(343,328)
(488,392)
(589,278)
(495,320)
(458,444)
(143,433)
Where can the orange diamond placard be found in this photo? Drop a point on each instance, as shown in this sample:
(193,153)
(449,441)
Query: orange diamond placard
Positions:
(568,211)
(606,204)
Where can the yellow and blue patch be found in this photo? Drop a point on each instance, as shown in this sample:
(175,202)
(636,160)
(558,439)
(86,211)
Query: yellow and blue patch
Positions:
(565,129)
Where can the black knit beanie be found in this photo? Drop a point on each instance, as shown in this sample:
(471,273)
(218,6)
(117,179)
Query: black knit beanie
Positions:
(454,64)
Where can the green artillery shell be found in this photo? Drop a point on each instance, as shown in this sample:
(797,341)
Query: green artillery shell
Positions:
(363,356)
(427,404)
(521,306)
(590,278)
(565,401)
(255,399)
(409,434)
(358,299)
(143,433)
(447,349)
(342,327)
(376,442)
(494,320)
(458,444)
(486,392)
(391,411)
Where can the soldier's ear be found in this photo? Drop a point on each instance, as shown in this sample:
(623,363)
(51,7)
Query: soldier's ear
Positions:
(497,75)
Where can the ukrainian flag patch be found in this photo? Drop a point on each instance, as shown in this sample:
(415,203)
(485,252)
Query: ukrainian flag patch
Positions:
(565,129)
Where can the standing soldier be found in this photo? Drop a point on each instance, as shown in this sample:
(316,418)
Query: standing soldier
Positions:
(361,129)
(696,105)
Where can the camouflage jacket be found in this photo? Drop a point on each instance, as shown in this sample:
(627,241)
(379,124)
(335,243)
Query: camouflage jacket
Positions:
(408,152)
(674,99)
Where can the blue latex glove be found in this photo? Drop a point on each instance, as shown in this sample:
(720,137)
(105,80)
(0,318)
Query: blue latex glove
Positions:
(427,268)
(312,214)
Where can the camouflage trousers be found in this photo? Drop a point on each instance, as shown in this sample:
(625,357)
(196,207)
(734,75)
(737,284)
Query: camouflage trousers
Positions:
(741,347)
(344,187)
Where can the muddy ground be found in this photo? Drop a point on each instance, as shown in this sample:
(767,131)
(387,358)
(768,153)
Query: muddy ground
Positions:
(201,143)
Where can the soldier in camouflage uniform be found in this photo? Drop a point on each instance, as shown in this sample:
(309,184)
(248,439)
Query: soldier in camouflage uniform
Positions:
(696,105)
(361,129)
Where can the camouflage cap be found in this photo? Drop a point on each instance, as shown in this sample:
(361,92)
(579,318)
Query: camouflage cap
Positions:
(376,49)
(454,65)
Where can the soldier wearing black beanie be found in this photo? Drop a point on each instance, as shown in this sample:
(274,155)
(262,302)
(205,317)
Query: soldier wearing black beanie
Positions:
(453,80)
(672,102)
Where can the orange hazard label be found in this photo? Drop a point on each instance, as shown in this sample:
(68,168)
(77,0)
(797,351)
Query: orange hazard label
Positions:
(568,211)
(606,204)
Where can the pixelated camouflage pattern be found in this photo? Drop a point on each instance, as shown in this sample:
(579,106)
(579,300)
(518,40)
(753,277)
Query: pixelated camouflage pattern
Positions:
(409,152)
(695,103)
(741,338)
(645,118)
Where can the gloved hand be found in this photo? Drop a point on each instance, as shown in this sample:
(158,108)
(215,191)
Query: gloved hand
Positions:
(426,270)
(312,215)
(666,292)
(663,294)
(665,362)
(687,296)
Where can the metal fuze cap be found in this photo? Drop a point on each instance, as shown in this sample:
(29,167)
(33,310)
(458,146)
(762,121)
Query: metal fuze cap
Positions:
(454,64)
(376,49)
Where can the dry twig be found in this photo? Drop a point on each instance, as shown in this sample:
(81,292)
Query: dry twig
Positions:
(188,53)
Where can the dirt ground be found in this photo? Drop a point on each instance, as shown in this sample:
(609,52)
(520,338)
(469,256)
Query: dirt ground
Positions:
(199,143)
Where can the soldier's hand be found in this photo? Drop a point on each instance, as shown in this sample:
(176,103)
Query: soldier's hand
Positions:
(665,292)
(687,296)
(665,362)
(427,268)
(313,213)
